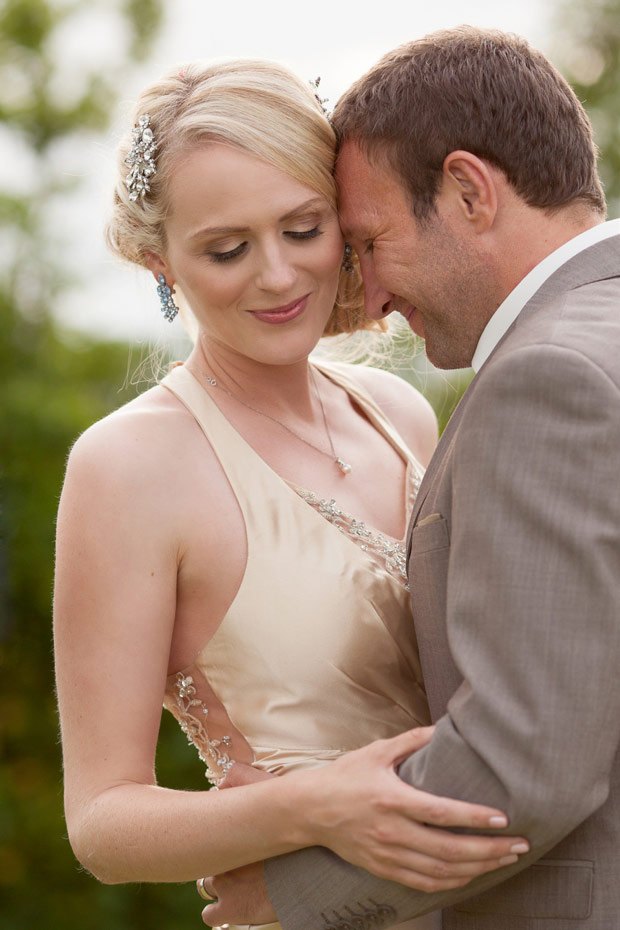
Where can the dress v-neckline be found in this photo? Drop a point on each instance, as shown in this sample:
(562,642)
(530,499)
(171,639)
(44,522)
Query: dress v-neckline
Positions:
(323,509)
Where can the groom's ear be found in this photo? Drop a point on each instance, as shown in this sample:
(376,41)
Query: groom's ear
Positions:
(470,184)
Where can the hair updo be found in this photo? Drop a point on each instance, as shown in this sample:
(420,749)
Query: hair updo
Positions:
(259,107)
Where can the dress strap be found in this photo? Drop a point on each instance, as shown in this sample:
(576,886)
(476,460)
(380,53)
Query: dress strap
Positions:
(372,410)
(229,446)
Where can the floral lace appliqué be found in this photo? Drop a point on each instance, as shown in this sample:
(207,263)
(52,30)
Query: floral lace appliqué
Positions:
(213,752)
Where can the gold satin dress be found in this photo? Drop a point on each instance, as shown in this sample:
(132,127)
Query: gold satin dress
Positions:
(317,654)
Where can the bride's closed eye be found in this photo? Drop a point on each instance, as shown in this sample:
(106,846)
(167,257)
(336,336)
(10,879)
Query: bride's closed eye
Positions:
(229,255)
(295,234)
(305,233)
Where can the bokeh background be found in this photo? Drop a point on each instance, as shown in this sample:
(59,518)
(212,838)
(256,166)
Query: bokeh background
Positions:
(75,326)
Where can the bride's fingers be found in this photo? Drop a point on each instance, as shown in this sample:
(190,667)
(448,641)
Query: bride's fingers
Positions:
(390,860)
(444,846)
(447,812)
(421,882)
(440,811)
(397,748)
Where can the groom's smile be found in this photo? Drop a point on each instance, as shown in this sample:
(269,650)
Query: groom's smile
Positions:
(427,269)
(400,257)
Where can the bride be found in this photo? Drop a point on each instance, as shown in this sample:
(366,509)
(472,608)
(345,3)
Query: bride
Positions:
(229,543)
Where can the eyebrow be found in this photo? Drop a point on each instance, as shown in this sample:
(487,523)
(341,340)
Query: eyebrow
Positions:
(227,230)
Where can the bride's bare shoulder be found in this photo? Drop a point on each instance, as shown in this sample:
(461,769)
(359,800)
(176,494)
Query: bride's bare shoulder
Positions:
(153,419)
(136,449)
(404,405)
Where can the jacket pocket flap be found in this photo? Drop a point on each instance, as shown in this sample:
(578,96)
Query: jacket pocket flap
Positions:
(431,535)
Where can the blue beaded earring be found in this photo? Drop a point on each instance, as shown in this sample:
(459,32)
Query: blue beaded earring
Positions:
(168,306)
(347,261)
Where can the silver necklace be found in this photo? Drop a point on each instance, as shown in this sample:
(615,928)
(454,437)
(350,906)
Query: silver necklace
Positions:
(344,467)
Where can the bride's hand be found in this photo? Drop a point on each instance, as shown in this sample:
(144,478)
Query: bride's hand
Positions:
(366,814)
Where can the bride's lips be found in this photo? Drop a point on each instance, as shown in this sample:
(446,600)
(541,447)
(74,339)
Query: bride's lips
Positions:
(282,314)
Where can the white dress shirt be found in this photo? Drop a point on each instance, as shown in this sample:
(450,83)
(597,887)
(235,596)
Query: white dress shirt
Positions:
(509,310)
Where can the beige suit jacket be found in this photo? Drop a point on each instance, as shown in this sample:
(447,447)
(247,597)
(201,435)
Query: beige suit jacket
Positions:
(515,582)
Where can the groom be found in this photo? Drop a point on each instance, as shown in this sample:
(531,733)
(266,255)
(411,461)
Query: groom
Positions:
(468,184)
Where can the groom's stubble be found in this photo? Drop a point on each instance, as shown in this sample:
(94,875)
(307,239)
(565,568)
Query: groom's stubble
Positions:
(417,263)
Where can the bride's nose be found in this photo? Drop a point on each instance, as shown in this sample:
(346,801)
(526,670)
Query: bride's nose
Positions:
(277,272)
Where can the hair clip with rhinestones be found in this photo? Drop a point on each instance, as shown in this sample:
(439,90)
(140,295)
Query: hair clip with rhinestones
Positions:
(141,158)
(320,100)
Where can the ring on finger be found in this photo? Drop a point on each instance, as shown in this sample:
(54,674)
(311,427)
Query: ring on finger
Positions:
(202,891)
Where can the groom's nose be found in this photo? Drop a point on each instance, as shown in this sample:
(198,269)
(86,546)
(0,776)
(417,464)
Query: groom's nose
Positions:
(377,300)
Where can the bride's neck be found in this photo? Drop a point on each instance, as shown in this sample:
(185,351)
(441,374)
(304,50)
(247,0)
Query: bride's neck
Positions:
(284,389)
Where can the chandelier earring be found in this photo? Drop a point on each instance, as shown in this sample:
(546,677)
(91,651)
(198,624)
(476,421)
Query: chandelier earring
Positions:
(347,261)
(164,292)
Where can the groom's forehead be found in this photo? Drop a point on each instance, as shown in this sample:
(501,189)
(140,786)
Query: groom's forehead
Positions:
(364,185)
(363,171)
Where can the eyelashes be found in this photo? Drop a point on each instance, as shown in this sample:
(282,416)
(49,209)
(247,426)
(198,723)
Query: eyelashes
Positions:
(228,256)
(306,234)
(241,249)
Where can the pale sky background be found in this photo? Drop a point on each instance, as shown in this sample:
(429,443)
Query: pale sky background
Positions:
(338,41)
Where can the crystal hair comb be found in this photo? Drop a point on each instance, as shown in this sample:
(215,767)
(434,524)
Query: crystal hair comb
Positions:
(141,158)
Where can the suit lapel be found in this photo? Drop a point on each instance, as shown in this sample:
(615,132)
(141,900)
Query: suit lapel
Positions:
(435,463)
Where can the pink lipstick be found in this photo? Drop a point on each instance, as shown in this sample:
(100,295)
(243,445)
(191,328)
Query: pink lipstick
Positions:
(282,314)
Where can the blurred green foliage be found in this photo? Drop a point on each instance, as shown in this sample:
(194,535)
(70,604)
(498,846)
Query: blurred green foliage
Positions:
(587,46)
(55,384)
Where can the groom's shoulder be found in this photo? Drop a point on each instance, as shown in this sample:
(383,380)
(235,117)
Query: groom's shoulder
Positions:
(585,321)
(578,326)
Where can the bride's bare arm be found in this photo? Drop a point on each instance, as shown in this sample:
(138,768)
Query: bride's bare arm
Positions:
(120,552)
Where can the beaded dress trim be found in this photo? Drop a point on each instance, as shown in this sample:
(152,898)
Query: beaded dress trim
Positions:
(391,553)
(213,752)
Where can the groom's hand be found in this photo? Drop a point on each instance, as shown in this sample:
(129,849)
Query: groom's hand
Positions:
(241,898)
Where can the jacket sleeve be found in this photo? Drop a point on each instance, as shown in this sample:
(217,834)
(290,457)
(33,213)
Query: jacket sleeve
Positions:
(533,626)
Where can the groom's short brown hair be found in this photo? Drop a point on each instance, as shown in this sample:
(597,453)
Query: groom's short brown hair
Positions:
(483,91)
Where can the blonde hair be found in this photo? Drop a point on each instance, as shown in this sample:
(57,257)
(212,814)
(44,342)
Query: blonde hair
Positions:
(259,107)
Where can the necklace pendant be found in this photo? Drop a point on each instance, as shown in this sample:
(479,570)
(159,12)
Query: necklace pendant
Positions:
(344,468)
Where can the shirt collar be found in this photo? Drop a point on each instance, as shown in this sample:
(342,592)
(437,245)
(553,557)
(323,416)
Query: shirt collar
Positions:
(509,310)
